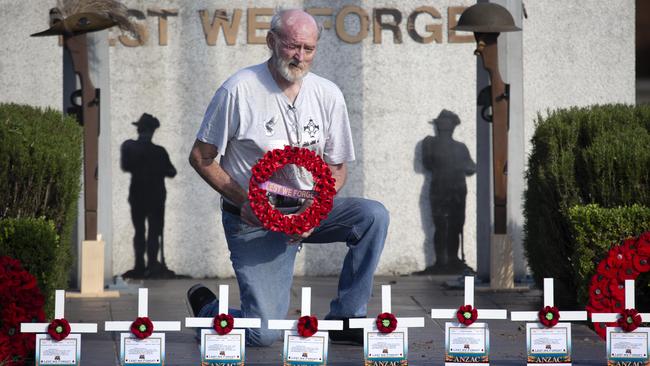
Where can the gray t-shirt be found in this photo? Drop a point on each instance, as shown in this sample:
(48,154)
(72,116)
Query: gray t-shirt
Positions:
(249,115)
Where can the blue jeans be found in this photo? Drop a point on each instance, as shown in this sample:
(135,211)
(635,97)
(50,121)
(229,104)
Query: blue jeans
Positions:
(263,262)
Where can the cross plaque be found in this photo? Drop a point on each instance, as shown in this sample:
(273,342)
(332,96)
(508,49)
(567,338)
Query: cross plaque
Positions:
(402,322)
(59,311)
(143,310)
(469,300)
(223,309)
(548,301)
(305,310)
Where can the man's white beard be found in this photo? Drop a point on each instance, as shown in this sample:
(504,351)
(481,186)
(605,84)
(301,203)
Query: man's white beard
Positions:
(289,73)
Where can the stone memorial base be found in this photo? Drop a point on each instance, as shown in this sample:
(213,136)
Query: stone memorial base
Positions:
(502,272)
(92,270)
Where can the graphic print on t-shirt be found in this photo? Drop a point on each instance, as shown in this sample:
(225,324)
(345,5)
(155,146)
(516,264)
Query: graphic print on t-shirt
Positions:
(311,128)
(269,126)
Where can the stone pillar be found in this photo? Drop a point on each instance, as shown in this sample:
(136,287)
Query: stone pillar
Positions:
(98,60)
(511,69)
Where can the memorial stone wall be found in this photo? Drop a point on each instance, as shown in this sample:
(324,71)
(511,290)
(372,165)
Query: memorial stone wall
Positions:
(397,63)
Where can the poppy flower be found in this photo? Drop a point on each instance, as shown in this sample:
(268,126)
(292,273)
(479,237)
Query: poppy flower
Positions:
(641,263)
(598,289)
(466,315)
(386,322)
(58,329)
(616,257)
(549,316)
(223,323)
(307,326)
(627,272)
(643,244)
(629,320)
(142,327)
(617,289)
(605,270)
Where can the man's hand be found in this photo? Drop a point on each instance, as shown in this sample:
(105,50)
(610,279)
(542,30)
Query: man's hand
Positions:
(298,238)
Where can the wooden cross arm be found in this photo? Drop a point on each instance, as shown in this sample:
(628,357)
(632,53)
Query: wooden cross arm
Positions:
(482,314)
(520,316)
(42,328)
(116,326)
(238,322)
(293,324)
(402,322)
(612,317)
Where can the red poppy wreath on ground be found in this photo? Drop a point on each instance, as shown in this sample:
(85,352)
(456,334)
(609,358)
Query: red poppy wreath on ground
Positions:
(21,301)
(223,323)
(607,288)
(466,315)
(307,326)
(549,316)
(142,327)
(324,190)
(386,322)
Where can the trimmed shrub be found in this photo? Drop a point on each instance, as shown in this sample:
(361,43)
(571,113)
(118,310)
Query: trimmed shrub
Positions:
(35,243)
(40,165)
(599,155)
(40,170)
(595,230)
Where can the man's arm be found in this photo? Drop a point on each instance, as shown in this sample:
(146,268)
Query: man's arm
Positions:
(340,173)
(202,159)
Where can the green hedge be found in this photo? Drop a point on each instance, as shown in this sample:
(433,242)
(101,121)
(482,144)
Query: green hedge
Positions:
(36,244)
(40,170)
(40,165)
(598,154)
(595,230)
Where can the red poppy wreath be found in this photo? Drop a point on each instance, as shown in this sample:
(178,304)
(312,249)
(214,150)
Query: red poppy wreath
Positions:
(142,327)
(549,316)
(466,315)
(625,261)
(58,329)
(629,320)
(386,322)
(324,190)
(223,323)
(307,326)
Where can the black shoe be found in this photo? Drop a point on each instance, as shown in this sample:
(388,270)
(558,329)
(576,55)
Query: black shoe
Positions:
(352,336)
(199,296)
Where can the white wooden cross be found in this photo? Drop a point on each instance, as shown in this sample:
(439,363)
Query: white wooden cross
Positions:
(469,300)
(143,310)
(305,309)
(629,304)
(59,312)
(402,322)
(223,309)
(548,301)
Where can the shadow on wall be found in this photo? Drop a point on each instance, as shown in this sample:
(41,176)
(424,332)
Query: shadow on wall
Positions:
(447,163)
(148,164)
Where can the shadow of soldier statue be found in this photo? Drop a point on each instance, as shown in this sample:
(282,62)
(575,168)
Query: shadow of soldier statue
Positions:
(449,162)
(148,164)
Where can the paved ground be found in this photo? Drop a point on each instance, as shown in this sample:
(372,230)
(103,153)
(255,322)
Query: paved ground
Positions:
(412,296)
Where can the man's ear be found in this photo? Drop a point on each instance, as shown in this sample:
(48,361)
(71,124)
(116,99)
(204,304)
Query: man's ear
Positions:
(270,41)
